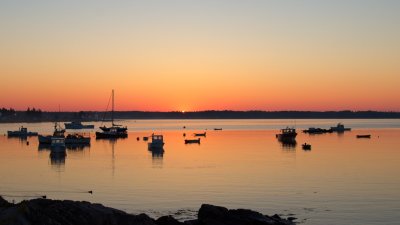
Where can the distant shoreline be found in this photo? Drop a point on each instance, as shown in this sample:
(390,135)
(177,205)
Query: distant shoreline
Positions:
(86,116)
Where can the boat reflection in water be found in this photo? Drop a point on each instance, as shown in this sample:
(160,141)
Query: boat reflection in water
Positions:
(156,147)
(42,147)
(57,158)
(157,155)
(289,144)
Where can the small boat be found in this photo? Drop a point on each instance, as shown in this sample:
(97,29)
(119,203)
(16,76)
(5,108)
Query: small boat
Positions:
(58,132)
(306,146)
(157,142)
(339,128)
(313,130)
(192,141)
(76,139)
(77,125)
(22,132)
(112,133)
(287,134)
(217,128)
(200,134)
(115,131)
(57,144)
(364,136)
(145,138)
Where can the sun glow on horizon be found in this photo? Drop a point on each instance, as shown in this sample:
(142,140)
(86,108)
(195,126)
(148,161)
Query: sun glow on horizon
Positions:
(230,55)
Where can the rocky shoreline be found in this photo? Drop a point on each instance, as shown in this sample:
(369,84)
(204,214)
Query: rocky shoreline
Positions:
(66,212)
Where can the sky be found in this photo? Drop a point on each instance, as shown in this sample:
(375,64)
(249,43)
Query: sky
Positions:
(184,55)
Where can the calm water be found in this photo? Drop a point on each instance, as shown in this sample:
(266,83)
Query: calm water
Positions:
(342,180)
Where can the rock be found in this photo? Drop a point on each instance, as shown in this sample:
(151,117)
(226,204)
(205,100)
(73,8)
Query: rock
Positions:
(216,215)
(46,212)
(4,203)
(57,212)
(168,220)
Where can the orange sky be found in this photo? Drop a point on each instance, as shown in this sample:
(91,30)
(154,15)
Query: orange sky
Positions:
(200,56)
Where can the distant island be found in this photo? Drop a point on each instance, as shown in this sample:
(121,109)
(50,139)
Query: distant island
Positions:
(37,115)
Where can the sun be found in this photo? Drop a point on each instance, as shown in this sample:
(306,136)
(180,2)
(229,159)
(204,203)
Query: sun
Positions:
(183,111)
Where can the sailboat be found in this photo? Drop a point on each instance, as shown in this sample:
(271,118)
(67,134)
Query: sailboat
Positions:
(115,131)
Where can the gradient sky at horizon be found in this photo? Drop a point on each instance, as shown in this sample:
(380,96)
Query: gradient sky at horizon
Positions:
(199,55)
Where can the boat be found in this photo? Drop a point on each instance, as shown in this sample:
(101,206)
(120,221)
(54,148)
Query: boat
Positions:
(339,128)
(287,134)
(200,134)
(22,132)
(313,130)
(112,133)
(217,128)
(77,125)
(157,142)
(58,132)
(115,131)
(364,136)
(306,146)
(57,144)
(192,141)
(77,139)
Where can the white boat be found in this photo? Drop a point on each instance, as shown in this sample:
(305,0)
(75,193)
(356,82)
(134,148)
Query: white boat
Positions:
(157,142)
(57,144)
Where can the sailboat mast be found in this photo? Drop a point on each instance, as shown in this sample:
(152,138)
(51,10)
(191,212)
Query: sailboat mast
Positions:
(112,111)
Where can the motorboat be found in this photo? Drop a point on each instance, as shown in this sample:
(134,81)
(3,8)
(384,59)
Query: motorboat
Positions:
(75,125)
(287,134)
(57,144)
(58,132)
(22,132)
(157,142)
(339,128)
(313,130)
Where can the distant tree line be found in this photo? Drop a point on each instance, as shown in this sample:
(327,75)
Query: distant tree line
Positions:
(7,112)
(33,112)
(37,115)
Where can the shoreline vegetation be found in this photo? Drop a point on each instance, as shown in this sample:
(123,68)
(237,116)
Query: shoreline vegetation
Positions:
(33,115)
(67,212)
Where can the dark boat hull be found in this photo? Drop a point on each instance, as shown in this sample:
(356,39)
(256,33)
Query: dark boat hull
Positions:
(111,135)
(364,136)
(119,129)
(192,141)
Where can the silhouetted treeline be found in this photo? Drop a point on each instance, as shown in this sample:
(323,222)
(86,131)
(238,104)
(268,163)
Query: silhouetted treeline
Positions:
(6,112)
(36,115)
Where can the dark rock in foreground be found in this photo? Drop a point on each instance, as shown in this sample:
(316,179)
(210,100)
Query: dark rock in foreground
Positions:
(57,212)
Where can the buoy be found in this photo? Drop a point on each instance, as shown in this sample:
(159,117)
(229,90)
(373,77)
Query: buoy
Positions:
(137,138)
(27,143)
(184,134)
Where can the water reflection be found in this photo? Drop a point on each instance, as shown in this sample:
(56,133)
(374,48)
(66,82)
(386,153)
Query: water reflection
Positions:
(157,155)
(74,147)
(57,159)
(288,144)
